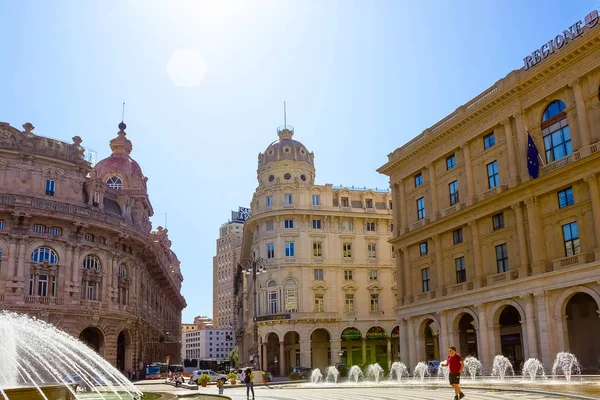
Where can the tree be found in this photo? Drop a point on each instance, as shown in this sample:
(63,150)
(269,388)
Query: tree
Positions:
(234,356)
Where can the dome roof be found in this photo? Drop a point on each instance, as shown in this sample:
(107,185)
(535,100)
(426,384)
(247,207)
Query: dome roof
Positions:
(286,148)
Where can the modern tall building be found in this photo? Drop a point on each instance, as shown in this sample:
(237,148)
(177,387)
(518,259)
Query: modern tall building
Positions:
(224,266)
(496,255)
(208,344)
(77,248)
(329,290)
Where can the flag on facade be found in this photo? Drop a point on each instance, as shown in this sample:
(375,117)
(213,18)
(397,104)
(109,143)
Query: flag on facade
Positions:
(533,155)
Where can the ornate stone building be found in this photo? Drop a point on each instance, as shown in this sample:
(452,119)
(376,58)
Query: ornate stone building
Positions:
(492,260)
(328,293)
(77,250)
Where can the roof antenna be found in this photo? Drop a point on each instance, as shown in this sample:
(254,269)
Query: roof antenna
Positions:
(284,116)
(123,113)
(122,125)
(165,220)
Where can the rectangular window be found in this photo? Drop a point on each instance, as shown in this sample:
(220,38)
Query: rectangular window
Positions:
(368,203)
(42,285)
(347,250)
(54,231)
(391,205)
(96,199)
(373,275)
(498,221)
(269,225)
(557,143)
(319,303)
(269,201)
(1,224)
(289,249)
(565,198)
(571,239)
(418,179)
(425,279)
(349,306)
(348,275)
(316,224)
(270,250)
(288,223)
(273,302)
(493,176)
(489,141)
(291,300)
(374,303)
(345,202)
(461,273)
(502,258)
(453,187)
(39,228)
(372,250)
(88,237)
(318,274)
(420,208)
(50,184)
(31,284)
(347,225)
(287,199)
(423,249)
(450,162)
(370,226)
(316,200)
(90,291)
(317,249)
(457,236)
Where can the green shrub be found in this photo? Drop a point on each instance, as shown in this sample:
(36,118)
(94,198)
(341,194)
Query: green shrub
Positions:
(294,376)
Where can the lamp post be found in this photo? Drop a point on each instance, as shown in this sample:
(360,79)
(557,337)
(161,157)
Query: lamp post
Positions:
(254,266)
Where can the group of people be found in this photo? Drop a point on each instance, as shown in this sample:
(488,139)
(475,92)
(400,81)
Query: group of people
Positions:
(177,378)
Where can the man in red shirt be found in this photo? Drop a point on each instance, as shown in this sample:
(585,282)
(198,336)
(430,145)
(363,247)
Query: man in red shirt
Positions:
(456,364)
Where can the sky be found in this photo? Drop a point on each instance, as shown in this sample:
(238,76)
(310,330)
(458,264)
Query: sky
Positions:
(204,84)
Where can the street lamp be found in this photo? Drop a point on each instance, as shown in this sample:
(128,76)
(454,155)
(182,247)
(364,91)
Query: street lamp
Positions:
(254,266)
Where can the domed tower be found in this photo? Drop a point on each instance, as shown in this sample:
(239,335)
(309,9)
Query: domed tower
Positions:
(286,161)
(118,186)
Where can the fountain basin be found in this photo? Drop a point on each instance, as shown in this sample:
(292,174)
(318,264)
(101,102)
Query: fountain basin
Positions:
(52,392)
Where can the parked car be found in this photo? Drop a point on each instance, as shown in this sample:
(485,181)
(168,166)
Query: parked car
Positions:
(304,372)
(213,375)
(433,366)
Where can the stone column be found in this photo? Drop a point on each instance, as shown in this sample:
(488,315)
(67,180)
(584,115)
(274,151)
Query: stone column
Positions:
(389,351)
(544,329)
(305,360)
(400,216)
(592,181)
(364,351)
(400,276)
(439,265)
(513,166)
(412,350)
(76,266)
(443,335)
(336,349)
(483,339)
(536,237)
(21,259)
(404,354)
(265,364)
(469,172)
(522,146)
(531,328)
(282,371)
(479,274)
(584,130)
(523,253)
(12,256)
(408,273)
(434,193)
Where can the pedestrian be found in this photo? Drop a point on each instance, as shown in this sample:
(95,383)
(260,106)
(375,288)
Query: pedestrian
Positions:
(456,366)
(249,381)
(242,375)
(220,386)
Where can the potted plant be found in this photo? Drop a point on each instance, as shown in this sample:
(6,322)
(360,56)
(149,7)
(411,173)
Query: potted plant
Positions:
(232,376)
(294,376)
(266,377)
(204,379)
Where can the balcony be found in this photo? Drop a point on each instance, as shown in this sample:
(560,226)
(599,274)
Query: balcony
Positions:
(460,287)
(501,277)
(568,262)
(288,206)
(313,315)
(419,223)
(370,210)
(44,300)
(453,209)
(373,260)
(347,260)
(575,156)
(346,209)
(290,259)
(425,296)
(318,260)
(316,206)
(492,192)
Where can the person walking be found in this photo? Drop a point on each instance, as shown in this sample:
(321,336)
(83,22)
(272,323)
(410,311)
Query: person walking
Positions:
(220,386)
(249,381)
(456,366)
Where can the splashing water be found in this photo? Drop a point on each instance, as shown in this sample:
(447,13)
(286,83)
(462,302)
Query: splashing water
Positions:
(316,376)
(375,371)
(355,373)
(533,368)
(397,370)
(421,370)
(443,372)
(472,366)
(34,353)
(502,367)
(332,374)
(566,364)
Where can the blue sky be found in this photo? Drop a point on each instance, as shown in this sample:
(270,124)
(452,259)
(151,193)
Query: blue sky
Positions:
(360,79)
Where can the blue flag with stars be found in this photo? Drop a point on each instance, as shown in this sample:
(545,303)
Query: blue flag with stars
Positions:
(533,155)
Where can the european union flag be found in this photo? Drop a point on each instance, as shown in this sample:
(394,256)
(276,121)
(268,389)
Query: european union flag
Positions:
(533,155)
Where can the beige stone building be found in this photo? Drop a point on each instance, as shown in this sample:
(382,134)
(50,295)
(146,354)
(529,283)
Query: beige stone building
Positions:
(77,249)
(329,291)
(229,245)
(491,260)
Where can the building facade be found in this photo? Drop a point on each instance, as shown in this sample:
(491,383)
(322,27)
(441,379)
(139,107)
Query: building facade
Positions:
(229,245)
(208,344)
(77,249)
(328,293)
(492,260)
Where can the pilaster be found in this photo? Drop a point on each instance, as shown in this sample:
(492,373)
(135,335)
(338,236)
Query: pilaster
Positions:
(536,237)
(434,193)
(479,280)
(584,130)
(513,167)
(469,172)
(522,238)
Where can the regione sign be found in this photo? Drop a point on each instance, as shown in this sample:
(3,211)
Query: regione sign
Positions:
(568,35)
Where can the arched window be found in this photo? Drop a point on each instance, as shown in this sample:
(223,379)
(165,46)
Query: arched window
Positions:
(122,271)
(556,132)
(115,183)
(42,254)
(272,297)
(91,262)
(291,295)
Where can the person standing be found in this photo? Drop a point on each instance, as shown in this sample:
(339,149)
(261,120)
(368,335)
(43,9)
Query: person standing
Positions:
(220,386)
(249,381)
(456,366)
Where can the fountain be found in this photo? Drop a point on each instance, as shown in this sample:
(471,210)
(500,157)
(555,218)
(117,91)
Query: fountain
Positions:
(443,372)
(38,359)
(355,373)
(420,370)
(533,368)
(502,367)
(472,366)
(375,371)
(332,374)
(398,369)
(316,376)
(566,364)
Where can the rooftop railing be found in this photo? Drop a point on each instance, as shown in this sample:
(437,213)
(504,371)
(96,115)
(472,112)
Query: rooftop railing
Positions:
(362,189)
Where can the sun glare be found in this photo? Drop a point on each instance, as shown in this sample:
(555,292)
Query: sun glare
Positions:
(186,68)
